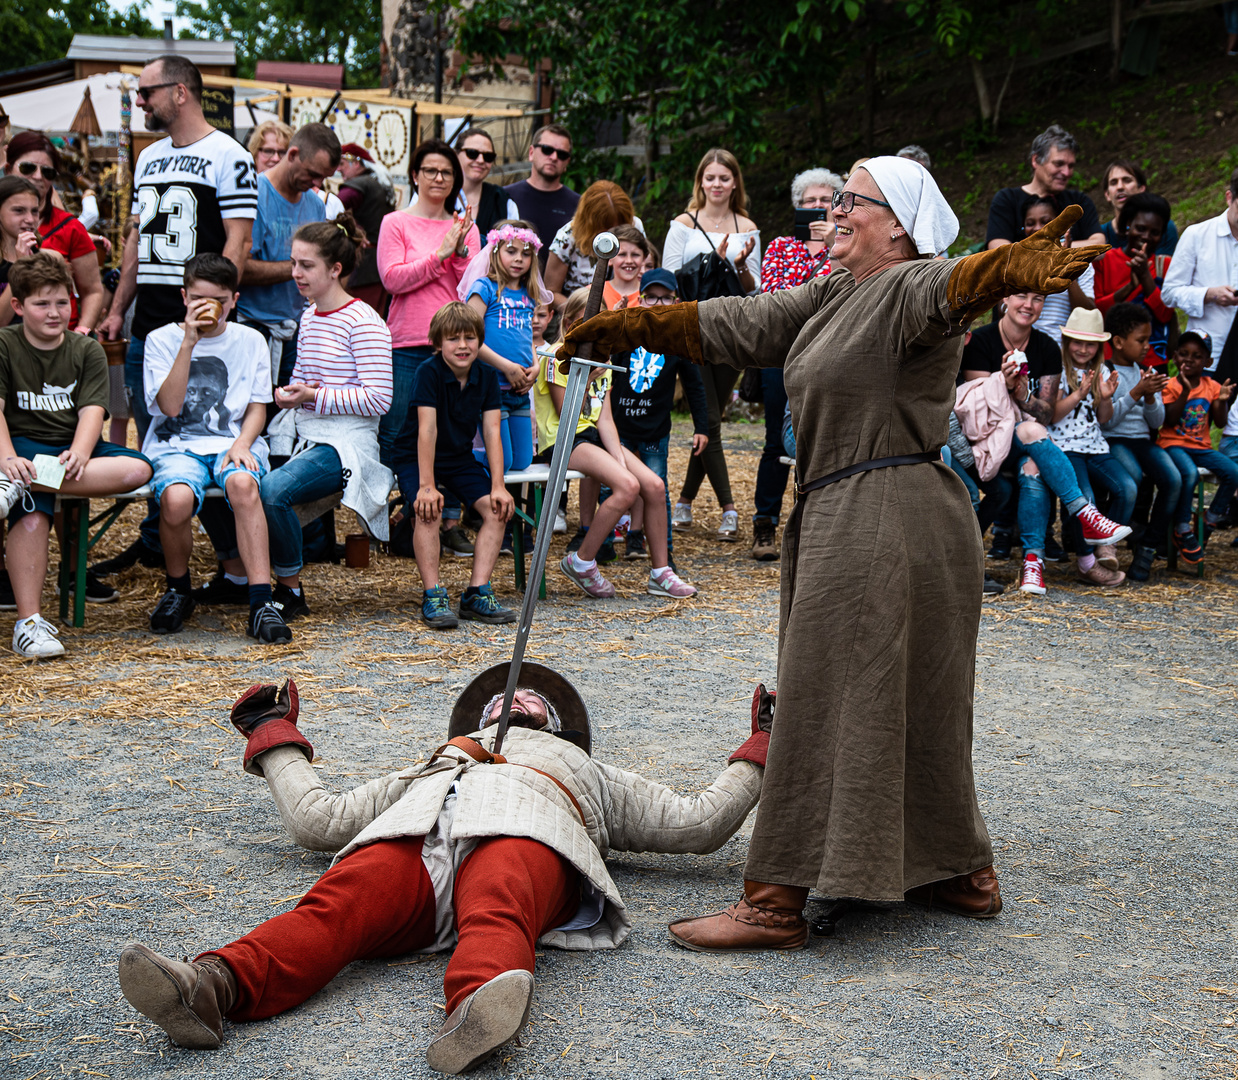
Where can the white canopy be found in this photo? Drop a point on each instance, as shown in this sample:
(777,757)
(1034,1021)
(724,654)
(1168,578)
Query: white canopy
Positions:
(52,108)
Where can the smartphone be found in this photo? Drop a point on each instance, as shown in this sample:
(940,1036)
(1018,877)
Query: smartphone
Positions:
(804,218)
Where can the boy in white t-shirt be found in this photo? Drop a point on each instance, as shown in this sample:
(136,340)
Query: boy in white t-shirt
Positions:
(207,382)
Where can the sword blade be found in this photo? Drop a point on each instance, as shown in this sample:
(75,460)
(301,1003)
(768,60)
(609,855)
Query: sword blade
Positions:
(573,398)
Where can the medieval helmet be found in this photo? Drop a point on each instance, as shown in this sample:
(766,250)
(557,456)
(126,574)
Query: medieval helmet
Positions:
(558,692)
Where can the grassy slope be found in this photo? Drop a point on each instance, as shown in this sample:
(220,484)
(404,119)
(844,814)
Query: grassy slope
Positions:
(1182,123)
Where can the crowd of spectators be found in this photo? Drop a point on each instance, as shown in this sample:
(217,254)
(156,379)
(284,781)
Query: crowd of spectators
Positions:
(294,339)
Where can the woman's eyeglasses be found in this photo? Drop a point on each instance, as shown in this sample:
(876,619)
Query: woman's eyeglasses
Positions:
(437,174)
(472,153)
(554,151)
(29,168)
(275,152)
(845,201)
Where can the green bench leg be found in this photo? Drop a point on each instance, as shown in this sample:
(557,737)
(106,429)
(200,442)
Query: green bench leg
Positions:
(1199,522)
(518,538)
(537,517)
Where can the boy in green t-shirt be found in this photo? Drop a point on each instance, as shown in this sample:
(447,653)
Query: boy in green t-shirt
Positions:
(53,399)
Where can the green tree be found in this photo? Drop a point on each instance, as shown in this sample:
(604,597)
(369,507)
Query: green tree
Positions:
(344,32)
(35,31)
(695,73)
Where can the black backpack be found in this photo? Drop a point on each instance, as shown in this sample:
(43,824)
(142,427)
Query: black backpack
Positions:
(708,275)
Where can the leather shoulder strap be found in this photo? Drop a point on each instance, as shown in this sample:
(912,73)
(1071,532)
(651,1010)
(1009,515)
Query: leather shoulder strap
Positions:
(480,754)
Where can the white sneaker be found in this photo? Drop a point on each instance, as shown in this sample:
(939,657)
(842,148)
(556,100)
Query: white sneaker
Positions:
(11,492)
(729,529)
(35,639)
(560,522)
(681,516)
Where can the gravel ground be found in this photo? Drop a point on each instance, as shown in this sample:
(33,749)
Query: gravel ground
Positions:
(1103,724)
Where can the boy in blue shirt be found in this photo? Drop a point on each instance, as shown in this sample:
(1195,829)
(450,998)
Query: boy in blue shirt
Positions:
(452,395)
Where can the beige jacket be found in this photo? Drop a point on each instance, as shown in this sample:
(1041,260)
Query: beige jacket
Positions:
(622,811)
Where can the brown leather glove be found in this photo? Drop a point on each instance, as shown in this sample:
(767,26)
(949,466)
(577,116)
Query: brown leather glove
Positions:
(672,330)
(756,748)
(267,716)
(1037,264)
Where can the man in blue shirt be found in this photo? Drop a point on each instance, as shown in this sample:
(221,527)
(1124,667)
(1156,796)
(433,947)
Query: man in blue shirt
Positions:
(269,298)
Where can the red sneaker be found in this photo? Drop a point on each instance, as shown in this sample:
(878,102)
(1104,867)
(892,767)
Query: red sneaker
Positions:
(1098,529)
(1033,575)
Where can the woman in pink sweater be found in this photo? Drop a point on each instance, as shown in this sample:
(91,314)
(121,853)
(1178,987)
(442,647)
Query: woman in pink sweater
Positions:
(422,254)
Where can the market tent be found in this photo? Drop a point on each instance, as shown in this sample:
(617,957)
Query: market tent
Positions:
(54,108)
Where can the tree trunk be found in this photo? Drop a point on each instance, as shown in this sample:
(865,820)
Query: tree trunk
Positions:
(982,90)
(870,97)
(1115,33)
(997,105)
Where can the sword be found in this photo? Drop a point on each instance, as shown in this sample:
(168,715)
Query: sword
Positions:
(605,247)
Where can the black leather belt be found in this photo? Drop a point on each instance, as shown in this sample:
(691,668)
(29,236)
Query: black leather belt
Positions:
(864,466)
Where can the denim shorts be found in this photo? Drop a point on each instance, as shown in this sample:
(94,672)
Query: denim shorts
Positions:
(45,501)
(197,471)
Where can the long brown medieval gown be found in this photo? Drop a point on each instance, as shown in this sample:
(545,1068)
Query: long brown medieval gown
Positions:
(869,789)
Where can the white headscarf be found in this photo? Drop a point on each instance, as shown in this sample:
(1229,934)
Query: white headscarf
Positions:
(917,202)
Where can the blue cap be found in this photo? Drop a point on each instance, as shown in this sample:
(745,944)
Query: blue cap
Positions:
(659,276)
(1202,336)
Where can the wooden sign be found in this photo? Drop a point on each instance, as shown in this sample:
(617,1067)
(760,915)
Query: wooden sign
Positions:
(218,103)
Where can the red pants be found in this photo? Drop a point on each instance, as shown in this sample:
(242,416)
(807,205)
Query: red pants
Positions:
(378,902)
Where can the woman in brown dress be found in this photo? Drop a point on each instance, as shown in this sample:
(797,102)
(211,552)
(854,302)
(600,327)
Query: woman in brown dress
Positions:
(868,790)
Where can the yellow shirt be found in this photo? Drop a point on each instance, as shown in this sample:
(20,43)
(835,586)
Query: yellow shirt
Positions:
(544,406)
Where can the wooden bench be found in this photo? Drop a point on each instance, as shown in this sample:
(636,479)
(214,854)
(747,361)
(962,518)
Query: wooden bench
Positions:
(535,477)
(78,539)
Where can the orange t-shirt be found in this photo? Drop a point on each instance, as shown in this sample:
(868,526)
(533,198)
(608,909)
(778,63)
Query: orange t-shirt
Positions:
(1193,429)
(612,297)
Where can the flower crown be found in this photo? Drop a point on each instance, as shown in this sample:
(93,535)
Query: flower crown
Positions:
(512,232)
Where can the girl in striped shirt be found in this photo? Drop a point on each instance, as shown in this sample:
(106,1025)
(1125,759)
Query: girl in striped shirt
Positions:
(341,386)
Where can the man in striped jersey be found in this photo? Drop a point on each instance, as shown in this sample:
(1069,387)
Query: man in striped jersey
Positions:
(194,192)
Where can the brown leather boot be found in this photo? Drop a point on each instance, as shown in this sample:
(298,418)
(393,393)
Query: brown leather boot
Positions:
(187,1000)
(766,917)
(973,895)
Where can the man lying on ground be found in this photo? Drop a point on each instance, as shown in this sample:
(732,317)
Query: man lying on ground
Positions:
(491,855)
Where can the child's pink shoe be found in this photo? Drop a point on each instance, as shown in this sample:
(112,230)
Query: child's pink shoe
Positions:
(669,583)
(590,580)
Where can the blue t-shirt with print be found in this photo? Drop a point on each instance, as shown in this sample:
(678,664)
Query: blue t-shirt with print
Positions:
(276,223)
(509,323)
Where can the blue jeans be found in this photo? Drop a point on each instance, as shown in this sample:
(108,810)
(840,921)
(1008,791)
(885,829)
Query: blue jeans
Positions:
(973,490)
(404,365)
(653,455)
(216,519)
(1189,462)
(1057,475)
(788,434)
(1141,457)
(771,472)
(311,475)
(1106,471)
(516,431)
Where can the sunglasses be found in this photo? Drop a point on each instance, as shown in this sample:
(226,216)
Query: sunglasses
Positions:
(845,201)
(29,168)
(472,153)
(146,91)
(553,151)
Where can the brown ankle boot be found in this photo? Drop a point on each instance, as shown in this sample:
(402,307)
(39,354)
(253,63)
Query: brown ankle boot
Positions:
(187,1000)
(766,917)
(975,895)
